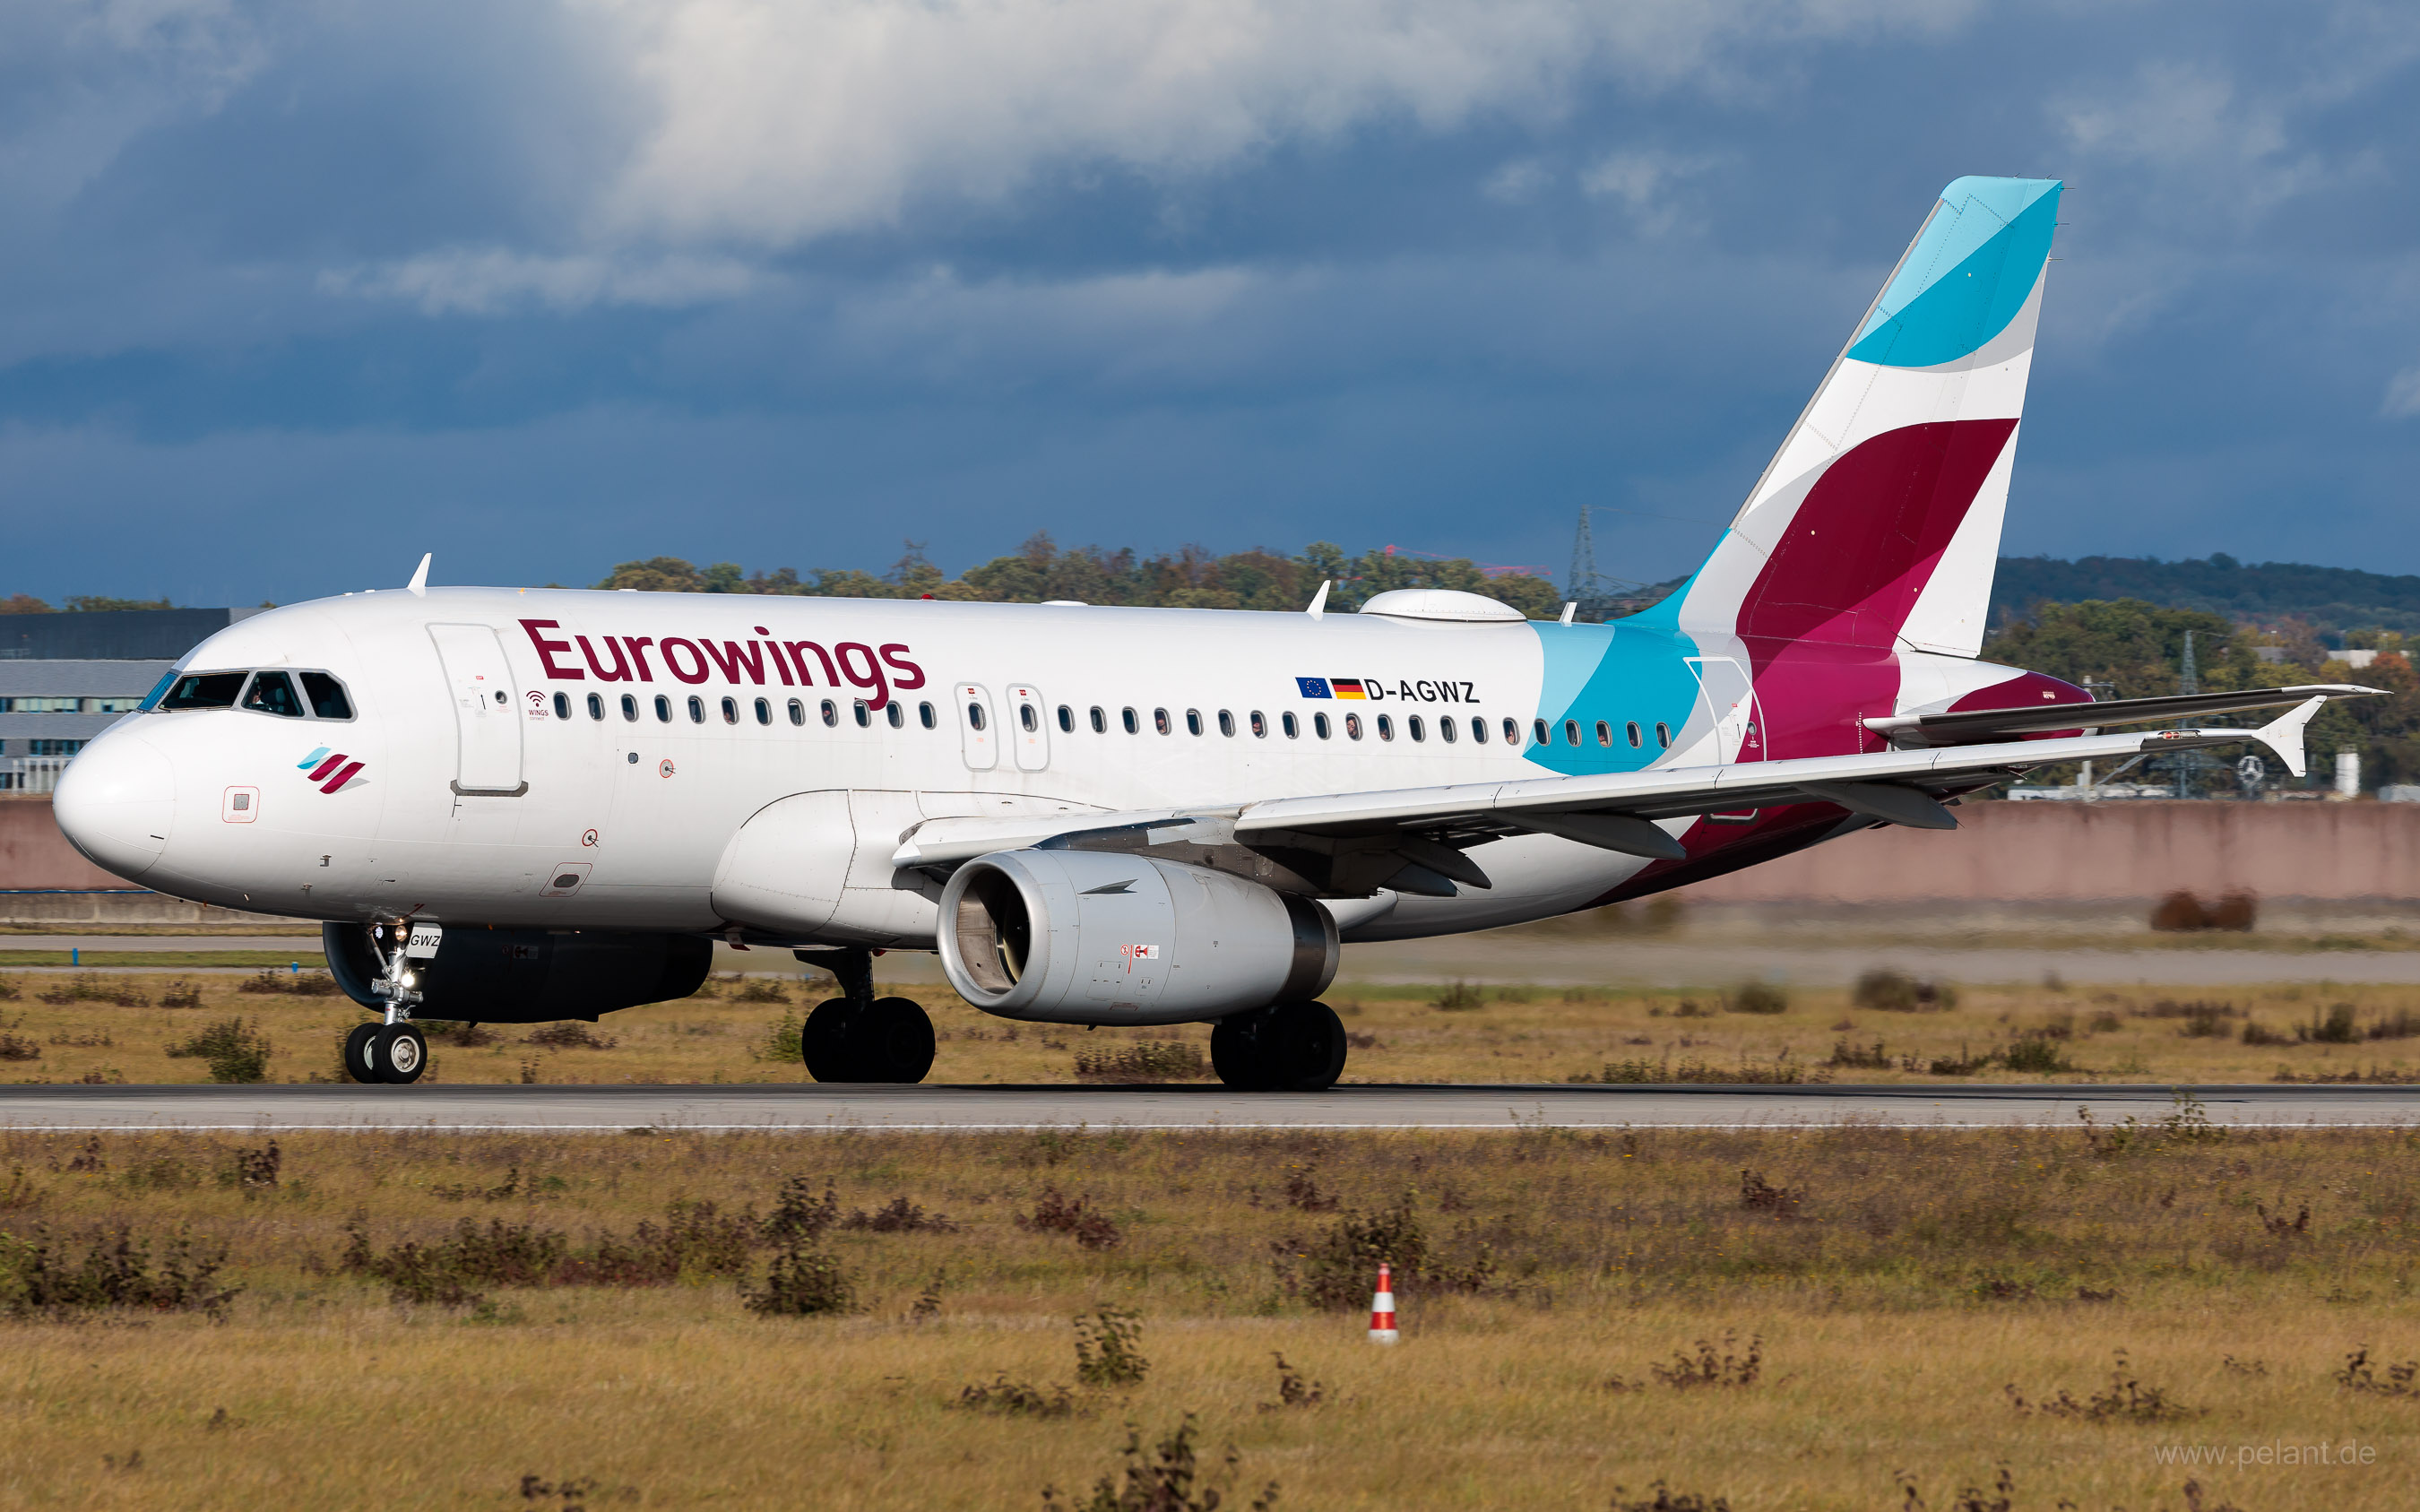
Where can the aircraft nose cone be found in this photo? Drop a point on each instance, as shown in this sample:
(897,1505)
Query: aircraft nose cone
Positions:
(115,803)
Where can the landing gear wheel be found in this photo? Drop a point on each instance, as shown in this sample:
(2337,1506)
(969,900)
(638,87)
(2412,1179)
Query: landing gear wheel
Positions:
(399,1053)
(824,1042)
(1290,1047)
(358,1064)
(1310,1047)
(894,1041)
(1239,1052)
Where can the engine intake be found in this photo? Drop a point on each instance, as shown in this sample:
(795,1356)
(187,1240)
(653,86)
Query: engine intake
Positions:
(1087,937)
(530,975)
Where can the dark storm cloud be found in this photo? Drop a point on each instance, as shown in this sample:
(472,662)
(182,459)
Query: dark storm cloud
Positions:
(291,290)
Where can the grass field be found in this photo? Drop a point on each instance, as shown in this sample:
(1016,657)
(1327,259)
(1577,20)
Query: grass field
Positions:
(98,1026)
(423,1320)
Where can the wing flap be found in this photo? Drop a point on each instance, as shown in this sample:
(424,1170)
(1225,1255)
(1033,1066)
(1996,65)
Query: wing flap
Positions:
(1967,724)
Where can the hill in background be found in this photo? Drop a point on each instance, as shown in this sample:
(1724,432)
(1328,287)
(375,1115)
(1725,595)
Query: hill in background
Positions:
(2331,601)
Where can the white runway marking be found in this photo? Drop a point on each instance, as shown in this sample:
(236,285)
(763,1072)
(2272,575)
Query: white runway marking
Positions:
(808,1108)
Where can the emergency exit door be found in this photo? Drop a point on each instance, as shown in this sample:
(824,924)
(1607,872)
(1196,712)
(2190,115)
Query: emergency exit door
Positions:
(487,716)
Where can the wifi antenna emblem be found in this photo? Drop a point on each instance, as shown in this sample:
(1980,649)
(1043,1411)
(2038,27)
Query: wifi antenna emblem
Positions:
(329,769)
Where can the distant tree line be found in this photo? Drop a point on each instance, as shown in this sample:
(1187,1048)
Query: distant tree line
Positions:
(1191,578)
(81,604)
(2330,602)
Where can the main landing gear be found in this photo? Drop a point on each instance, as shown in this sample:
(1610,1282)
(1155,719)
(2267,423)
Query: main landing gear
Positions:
(859,1036)
(1287,1047)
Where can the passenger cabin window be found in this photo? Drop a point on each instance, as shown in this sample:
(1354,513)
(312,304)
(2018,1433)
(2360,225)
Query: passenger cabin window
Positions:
(798,711)
(629,709)
(730,711)
(896,713)
(865,716)
(1293,730)
(1538,731)
(1511,731)
(596,705)
(1385,727)
(1260,725)
(204,690)
(831,715)
(763,711)
(563,705)
(326,696)
(696,709)
(1445,728)
(1066,720)
(1226,724)
(1159,722)
(1417,727)
(1193,721)
(1100,722)
(1604,734)
(974,713)
(1026,717)
(1630,731)
(1478,731)
(1351,727)
(273,693)
(663,709)
(1319,725)
(1571,732)
(1663,734)
(1134,726)
(926,716)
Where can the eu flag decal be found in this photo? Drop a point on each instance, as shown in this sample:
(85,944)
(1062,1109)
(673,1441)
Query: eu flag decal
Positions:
(1312,688)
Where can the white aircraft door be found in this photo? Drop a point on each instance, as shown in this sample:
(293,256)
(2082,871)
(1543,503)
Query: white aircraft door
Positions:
(1028,728)
(487,719)
(1731,703)
(981,740)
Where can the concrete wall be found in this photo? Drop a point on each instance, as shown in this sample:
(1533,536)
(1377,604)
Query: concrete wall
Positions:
(32,852)
(2083,852)
(2002,852)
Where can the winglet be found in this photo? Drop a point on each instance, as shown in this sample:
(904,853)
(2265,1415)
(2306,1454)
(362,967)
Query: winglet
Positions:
(1318,608)
(419,584)
(2284,734)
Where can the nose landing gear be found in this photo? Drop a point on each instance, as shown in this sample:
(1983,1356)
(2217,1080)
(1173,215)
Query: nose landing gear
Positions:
(860,1036)
(394,1050)
(1287,1047)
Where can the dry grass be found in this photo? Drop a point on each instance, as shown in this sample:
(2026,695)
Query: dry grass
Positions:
(121,1028)
(1872,1325)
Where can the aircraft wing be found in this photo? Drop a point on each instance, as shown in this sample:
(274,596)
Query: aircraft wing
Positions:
(1412,838)
(1968,724)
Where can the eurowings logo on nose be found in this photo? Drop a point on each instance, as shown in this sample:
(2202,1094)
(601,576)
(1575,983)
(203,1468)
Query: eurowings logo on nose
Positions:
(329,770)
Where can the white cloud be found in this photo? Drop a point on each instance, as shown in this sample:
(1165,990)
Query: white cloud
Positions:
(778,121)
(2203,135)
(1642,180)
(2403,400)
(1517,182)
(492,281)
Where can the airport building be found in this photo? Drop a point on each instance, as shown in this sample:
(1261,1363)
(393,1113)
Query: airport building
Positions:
(64,678)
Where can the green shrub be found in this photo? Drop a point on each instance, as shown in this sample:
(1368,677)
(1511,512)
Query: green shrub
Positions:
(1757,997)
(802,1282)
(236,1051)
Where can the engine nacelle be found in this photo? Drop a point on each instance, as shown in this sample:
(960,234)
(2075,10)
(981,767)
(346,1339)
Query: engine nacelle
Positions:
(529,975)
(1091,937)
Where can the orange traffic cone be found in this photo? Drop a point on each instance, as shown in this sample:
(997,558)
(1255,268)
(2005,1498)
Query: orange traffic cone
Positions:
(1382,1308)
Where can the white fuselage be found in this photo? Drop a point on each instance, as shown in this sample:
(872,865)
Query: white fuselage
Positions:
(465,808)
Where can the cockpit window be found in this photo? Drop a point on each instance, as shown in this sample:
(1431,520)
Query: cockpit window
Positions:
(159,690)
(204,690)
(273,693)
(326,696)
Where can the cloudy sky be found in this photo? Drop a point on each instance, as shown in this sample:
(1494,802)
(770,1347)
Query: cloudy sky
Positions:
(290,292)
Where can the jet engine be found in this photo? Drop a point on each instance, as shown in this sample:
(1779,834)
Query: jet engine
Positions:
(529,975)
(1092,937)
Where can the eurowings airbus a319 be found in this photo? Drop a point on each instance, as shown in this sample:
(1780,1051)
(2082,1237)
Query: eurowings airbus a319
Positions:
(519,805)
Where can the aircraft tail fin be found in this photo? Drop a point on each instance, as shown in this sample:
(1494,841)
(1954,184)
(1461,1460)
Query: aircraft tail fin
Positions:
(1877,524)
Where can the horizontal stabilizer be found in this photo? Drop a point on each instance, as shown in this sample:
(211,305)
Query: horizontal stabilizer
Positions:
(1973,724)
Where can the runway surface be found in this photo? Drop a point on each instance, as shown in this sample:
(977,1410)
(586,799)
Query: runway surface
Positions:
(1550,961)
(810,1108)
